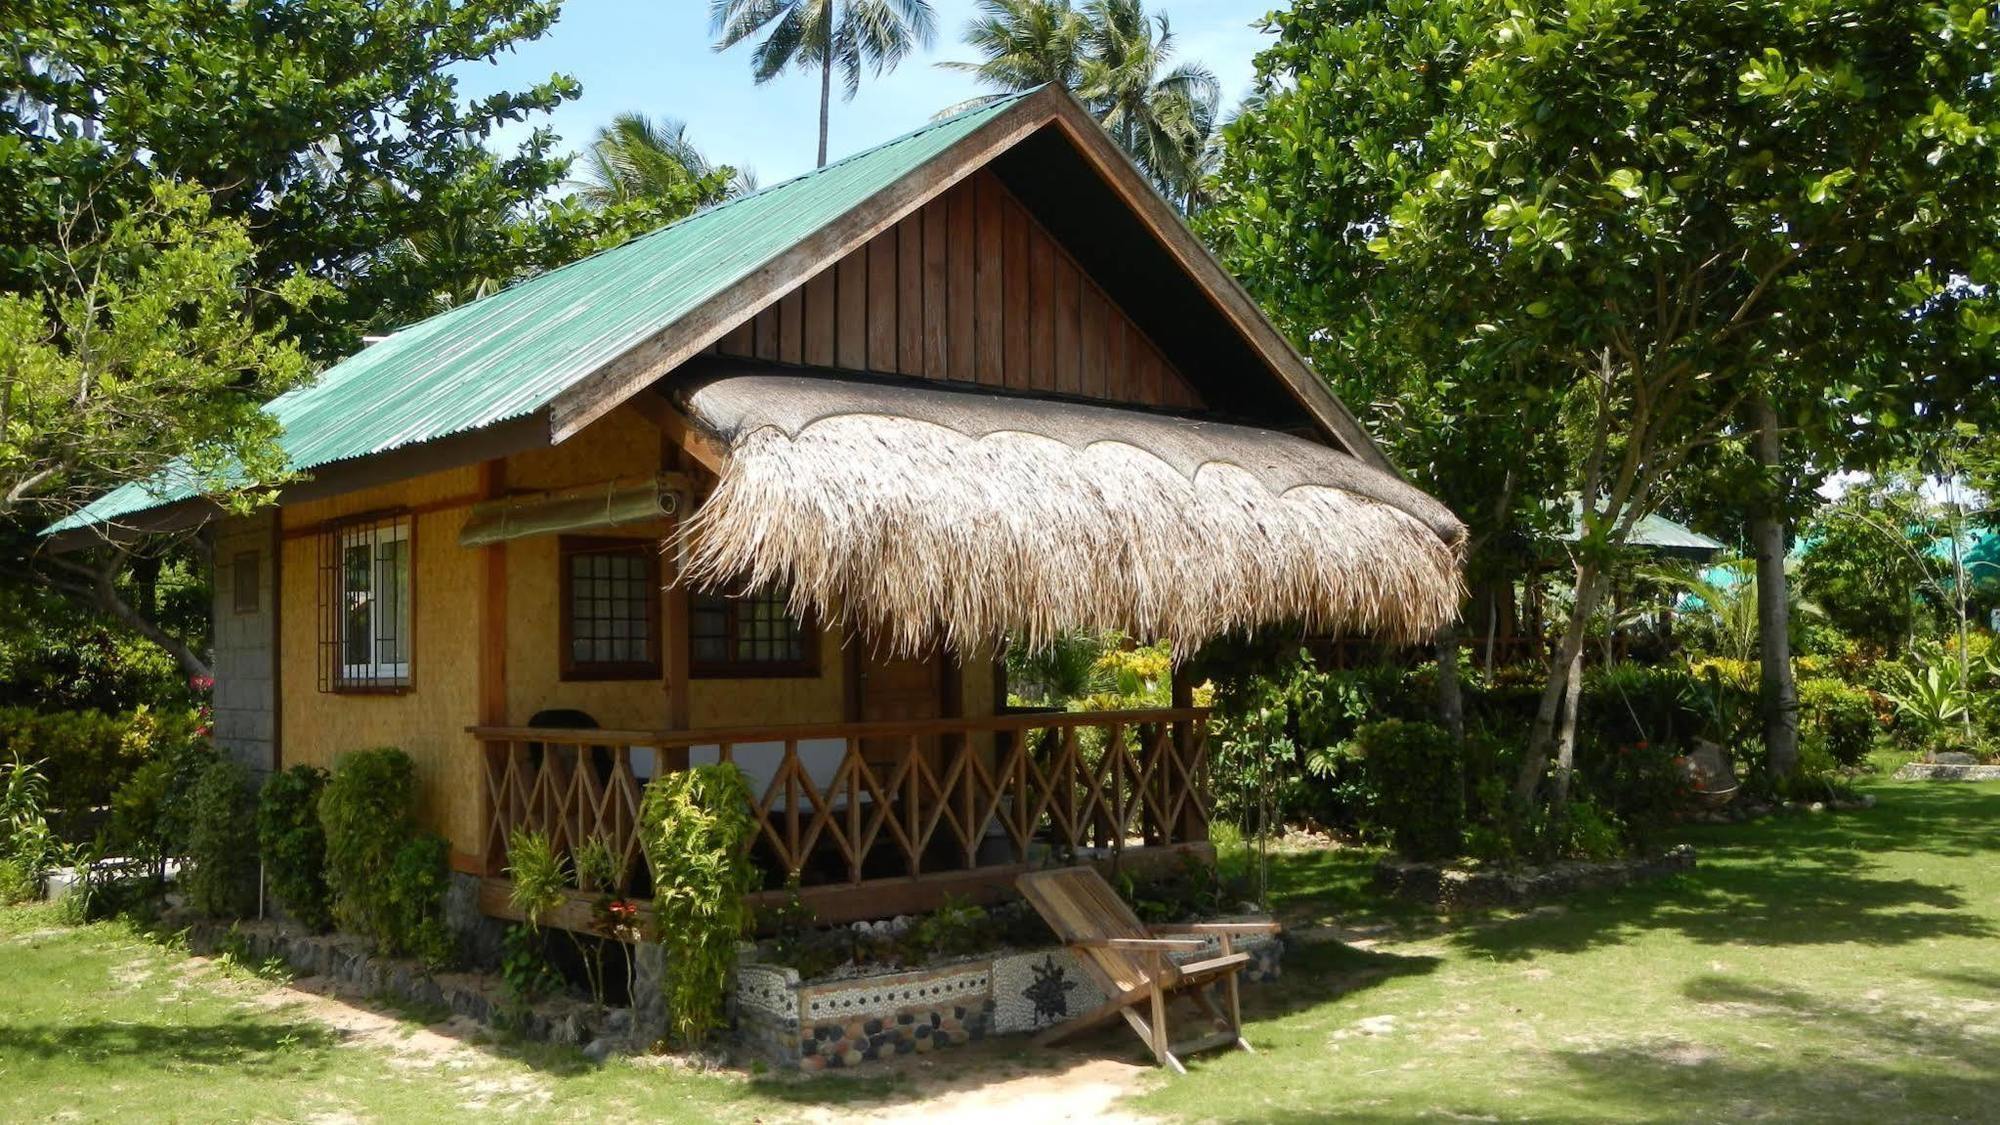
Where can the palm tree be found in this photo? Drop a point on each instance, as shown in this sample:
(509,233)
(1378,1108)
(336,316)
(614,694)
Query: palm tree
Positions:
(1163,120)
(1026,43)
(637,158)
(816,33)
(1111,55)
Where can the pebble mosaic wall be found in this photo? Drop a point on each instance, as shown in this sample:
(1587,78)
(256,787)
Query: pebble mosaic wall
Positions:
(848,1022)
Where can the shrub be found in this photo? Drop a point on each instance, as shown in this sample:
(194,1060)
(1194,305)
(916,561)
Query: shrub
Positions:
(221,869)
(1420,781)
(87,756)
(695,825)
(1844,716)
(388,882)
(293,845)
(419,880)
(27,848)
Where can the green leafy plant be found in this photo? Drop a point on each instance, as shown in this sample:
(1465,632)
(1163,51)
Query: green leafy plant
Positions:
(221,870)
(613,917)
(539,880)
(1418,774)
(1930,696)
(696,826)
(27,848)
(293,844)
(388,882)
(419,880)
(956,929)
(524,965)
(1843,716)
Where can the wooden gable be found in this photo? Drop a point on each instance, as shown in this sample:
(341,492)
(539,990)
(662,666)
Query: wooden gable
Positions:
(967,289)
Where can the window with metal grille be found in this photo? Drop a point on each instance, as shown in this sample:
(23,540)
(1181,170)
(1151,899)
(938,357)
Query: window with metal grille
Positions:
(364,604)
(750,635)
(610,609)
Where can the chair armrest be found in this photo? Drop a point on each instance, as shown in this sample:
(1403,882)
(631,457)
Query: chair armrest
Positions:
(1218,928)
(1150,944)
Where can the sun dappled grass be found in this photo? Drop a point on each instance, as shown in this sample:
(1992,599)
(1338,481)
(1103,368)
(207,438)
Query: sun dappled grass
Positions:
(1825,967)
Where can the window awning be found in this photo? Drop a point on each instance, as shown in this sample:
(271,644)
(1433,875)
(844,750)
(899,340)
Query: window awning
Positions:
(929,514)
(595,507)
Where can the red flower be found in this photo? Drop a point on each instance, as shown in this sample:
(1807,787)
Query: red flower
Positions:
(1639,745)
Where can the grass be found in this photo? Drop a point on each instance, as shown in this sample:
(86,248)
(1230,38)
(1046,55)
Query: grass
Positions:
(1828,967)
(1831,967)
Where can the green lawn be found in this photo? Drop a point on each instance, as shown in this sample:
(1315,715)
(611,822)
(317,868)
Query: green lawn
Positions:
(1828,967)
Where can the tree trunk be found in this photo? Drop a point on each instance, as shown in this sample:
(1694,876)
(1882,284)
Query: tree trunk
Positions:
(825,91)
(1566,741)
(1779,695)
(1542,736)
(97,583)
(1450,700)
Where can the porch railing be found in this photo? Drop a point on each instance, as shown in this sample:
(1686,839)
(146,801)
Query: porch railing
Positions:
(853,801)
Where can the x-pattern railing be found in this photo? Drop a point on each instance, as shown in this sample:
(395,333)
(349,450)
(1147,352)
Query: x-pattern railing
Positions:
(904,797)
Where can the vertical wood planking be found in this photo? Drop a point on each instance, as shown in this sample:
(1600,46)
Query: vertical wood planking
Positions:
(767,333)
(739,341)
(910,295)
(936,275)
(850,333)
(989,358)
(882,300)
(1063,309)
(819,320)
(1041,318)
(1018,282)
(1090,333)
(1117,368)
(791,327)
(961,218)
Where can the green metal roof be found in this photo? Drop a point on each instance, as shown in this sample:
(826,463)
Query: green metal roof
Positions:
(1654,532)
(509,354)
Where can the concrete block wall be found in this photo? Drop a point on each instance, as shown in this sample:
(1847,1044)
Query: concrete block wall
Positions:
(245,699)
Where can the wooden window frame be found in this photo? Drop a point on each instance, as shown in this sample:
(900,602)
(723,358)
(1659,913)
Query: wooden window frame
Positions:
(806,667)
(336,676)
(252,563)
(568,547)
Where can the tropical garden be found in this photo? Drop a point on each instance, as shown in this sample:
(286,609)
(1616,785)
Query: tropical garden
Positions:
(1584,268)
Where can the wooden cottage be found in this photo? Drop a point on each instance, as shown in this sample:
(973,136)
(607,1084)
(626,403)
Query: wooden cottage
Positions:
(774,485)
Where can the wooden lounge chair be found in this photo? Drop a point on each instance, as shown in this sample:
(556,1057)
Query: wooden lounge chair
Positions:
(1129,961)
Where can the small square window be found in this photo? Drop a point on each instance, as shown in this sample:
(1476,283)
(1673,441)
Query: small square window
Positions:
(750,635)
(610,609)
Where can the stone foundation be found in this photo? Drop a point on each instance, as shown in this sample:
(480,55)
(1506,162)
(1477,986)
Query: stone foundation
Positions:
(846,1022)
(1456,887)
(350,963)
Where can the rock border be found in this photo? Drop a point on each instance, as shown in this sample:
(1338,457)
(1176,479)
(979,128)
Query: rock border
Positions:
(1455,886)
(1946,771)
(350,963)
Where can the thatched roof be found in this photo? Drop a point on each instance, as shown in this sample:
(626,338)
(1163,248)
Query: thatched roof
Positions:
(931,514)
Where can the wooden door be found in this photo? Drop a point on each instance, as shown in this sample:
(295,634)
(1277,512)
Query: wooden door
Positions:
(897,689)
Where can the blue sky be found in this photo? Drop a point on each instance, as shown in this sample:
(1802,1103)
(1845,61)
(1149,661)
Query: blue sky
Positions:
(654,57)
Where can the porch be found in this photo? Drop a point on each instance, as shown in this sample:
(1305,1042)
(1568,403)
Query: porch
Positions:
(873,818)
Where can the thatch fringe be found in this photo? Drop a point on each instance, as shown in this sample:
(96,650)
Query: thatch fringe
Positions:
(923,534)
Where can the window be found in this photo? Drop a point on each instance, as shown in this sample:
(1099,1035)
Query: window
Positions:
(244,594)
(365,605)
(610,609)
(752,635)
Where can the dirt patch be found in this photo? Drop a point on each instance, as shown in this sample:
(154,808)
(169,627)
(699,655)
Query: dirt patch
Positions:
(989,1092)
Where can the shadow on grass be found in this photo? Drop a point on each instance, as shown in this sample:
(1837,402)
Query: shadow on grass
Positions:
(1900,1065)
(243,1046)
(1795,880)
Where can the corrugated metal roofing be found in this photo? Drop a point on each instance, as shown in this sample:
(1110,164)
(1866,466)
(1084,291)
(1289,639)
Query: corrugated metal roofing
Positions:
(510,354)
(1655,531)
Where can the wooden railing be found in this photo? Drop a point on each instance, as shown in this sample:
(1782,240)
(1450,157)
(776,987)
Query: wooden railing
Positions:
(854,801)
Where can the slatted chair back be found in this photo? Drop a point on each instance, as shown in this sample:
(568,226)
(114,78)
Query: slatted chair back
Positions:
(1081,907)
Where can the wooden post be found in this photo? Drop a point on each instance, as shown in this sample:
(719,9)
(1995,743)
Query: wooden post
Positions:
(1193,827)
(492,658)
(674,611)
